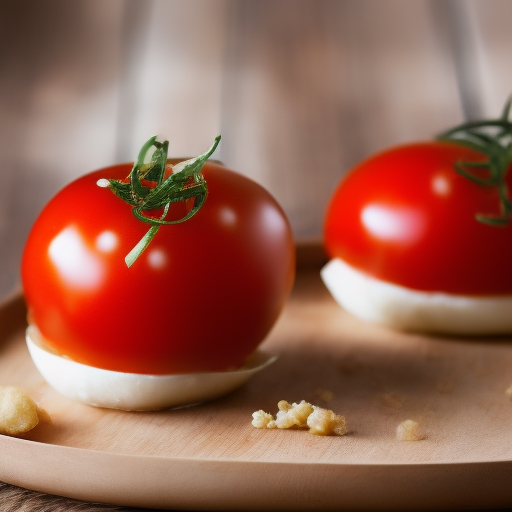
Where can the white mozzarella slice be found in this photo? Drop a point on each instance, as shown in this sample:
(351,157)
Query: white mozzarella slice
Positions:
(377,301)
(132,391)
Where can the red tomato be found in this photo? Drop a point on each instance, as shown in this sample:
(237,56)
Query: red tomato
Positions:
(200,298)
(407,217)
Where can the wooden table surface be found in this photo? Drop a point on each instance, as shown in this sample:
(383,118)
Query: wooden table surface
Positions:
(17,499)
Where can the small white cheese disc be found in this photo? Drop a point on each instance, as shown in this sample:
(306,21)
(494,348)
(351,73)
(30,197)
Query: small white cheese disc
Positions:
(377,301)
(132,391)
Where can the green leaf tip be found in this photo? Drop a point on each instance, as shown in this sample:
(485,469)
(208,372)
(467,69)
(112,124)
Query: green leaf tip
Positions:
(148,189)
(492,138)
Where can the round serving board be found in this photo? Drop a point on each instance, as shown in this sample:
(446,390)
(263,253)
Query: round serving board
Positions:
(210,457)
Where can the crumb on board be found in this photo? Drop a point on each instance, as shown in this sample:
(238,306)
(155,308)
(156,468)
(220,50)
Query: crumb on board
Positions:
(409,430)
(508,392)
(18,412)
(262,419)
(293,415)
(324,422)
(319,421)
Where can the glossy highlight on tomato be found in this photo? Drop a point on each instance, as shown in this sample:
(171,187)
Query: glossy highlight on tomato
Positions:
(405,216)
(201,297)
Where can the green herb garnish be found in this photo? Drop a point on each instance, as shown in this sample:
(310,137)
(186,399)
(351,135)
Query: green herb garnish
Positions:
(492,138)
(158,192)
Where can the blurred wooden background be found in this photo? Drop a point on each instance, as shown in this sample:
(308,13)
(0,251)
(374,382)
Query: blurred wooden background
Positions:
(299,89)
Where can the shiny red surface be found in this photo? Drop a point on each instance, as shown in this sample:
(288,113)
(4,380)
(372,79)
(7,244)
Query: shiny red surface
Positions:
(405,216)
(201,297)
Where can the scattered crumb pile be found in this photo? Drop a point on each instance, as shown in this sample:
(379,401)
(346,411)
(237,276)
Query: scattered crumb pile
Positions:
(321,422)
(18,412)
(409,430)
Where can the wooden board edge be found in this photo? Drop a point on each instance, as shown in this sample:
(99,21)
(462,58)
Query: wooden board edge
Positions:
(158,482)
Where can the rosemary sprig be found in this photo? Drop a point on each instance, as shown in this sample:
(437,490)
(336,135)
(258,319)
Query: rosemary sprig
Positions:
(186,182)
(492,138)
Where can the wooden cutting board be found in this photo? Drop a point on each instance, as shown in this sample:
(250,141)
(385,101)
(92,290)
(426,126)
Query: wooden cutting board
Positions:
(210,457)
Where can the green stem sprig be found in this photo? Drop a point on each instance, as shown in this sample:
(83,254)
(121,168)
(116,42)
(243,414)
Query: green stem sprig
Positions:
(185,182)
(492,138)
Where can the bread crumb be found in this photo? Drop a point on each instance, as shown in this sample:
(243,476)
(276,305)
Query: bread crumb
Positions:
(409,430)
(293,415)
(508,392)
(323,422)
(18,412)
(303,415)
(261,419)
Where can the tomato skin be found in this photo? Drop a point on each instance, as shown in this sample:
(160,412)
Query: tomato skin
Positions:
(200,298)
(405,216)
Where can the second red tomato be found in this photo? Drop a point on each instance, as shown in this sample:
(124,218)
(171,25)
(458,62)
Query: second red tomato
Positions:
(405,216)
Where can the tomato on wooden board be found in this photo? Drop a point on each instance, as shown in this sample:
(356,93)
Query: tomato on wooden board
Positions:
(201,297)
(405,216)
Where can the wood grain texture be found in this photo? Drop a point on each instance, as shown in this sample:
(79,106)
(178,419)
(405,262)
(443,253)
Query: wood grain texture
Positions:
(209,456)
